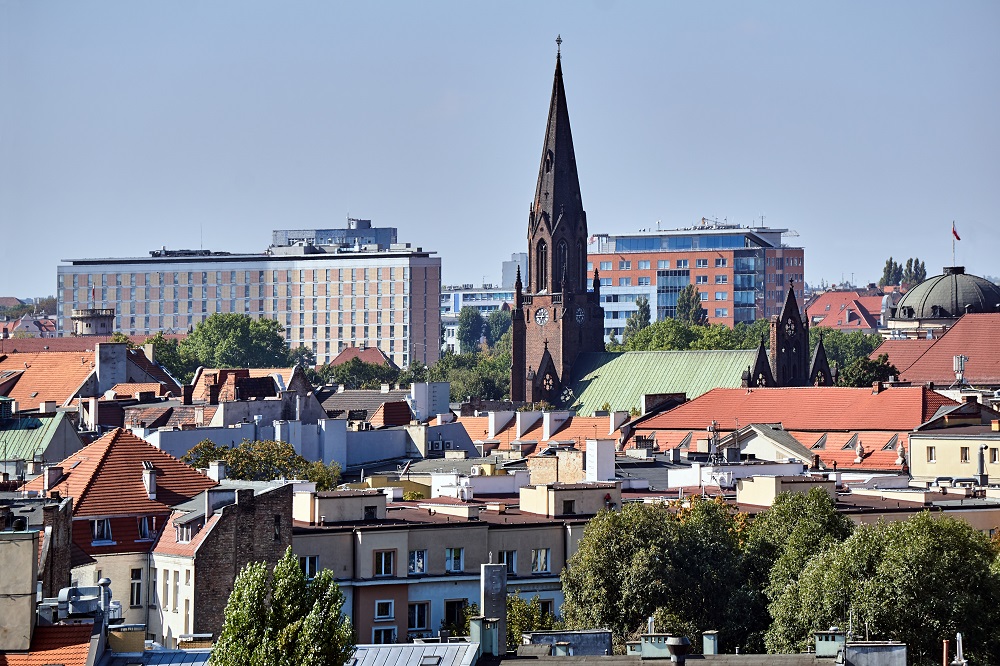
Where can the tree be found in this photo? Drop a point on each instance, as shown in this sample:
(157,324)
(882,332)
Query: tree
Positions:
(470,329)
(843,348)
(235,341)
(684,565)
(281,618)
(865,372)
(639,319)
(525,616)
(167,353)
(485,374)
(917,581)
(263,460)
(497,323)
(302,356)
(118,336)
(357,374)
(689,306)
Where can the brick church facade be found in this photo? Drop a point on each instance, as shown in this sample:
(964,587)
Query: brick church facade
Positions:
(555,317)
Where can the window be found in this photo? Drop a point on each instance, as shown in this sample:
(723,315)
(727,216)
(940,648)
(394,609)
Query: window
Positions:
(454,611)
(644,281)
(721,312)
(384,562)
(663,263)
(624,265)
(177,589)
(277,527)
(721,263)
(165,597)
(682,263)
(454,559)
(605,265)
(547,606)
(416,616)
(540,560)
(509,557)
(605,282)
(417,562)
(384,635)
(644,265)
(701,279)
(964,454)
(152,587)
(385,609)
(569,506)
(100,529)
(721,279)
(722,295)
(371,513)
(146,529)
(310,565)
(625,282)
(994,455)
(590,266)
(135,595)
(931,454)
(703,295)
(701,263)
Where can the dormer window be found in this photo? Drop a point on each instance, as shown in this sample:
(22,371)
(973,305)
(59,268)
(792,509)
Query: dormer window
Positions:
(100,531)
(183,533)
(147,528)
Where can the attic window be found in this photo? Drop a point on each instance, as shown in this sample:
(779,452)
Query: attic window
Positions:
(891,444)
(34,394)
(430,660)
(851,443)
(820,443)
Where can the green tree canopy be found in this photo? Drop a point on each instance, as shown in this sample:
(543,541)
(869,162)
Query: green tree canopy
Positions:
(166,352)
(236,341)
(918,581)
(470,329)
(864,371)
(525,616)
(843,348)
(263,460)
(689,306)
(280,618)
(497,323)
(686,566)
(484,374)
(639,319)
(356,374)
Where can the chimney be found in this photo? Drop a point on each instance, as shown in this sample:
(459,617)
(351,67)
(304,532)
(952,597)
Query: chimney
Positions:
(148,350)
(877,387)
(50,477)
(972,399)
(617,419)
(187,394)
(149,478)
(217,470)
(710,642)
(47,407)
(995,425)
(199,415)
(213,394)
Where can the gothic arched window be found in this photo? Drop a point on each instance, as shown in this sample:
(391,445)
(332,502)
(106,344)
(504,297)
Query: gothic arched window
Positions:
(541,266)
(562,262)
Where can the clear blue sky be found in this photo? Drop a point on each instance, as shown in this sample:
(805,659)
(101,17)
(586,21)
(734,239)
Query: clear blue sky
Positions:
(867,127)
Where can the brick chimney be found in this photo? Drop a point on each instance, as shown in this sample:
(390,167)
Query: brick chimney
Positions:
(149,478)
(187,394)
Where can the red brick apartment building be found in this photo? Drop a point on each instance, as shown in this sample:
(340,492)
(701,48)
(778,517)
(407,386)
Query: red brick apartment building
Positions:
(742,273)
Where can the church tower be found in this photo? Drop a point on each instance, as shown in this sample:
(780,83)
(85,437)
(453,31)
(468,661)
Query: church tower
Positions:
(555,317)
(790,344)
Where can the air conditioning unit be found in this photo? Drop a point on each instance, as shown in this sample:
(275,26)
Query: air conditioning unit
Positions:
(476,470)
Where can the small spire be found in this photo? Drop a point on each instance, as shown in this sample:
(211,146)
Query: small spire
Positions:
(558,46)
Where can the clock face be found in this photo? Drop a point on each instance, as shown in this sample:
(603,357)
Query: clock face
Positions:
(790,327)
(541,316)
(581,315)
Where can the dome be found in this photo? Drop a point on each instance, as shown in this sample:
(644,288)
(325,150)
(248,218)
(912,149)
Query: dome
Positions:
(950,295)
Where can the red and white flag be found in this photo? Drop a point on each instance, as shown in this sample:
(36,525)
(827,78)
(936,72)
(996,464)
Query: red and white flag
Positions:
(954,231)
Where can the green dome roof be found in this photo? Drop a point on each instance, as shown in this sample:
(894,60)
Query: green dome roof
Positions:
(950,295)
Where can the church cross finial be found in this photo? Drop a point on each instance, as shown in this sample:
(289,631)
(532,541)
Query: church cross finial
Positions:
(558,46)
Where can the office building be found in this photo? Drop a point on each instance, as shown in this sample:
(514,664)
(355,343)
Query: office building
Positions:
(508,270)
(740,272)
(326,297)
(357,233)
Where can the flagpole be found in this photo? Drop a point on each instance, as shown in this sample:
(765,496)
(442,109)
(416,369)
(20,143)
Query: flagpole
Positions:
(953,243)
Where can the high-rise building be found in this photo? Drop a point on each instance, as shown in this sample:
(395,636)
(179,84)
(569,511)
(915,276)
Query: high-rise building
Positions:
(555,317)
(509,269)
(326,297)
(741,273)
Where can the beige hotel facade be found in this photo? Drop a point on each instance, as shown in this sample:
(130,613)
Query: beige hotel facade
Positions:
(326,298)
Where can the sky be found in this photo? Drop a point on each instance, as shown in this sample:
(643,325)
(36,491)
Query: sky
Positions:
(864,127)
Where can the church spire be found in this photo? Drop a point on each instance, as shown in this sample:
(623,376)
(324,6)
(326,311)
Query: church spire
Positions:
(557,223)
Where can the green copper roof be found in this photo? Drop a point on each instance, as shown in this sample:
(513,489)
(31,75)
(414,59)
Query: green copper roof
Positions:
(621,379)
(23,438)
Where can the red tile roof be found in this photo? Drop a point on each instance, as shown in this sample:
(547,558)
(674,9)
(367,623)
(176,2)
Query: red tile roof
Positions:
(391,414)
(67,644)
(366,355)
(155,371)
(845,311)
(133,389)
(55,376)
(576,429)
(973,335)
(10,302)
(107,478)
(876,456)
(805,408)
(65,344)
(167,543)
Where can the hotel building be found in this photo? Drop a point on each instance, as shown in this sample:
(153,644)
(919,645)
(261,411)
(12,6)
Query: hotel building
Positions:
(326,297)
(741,273)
